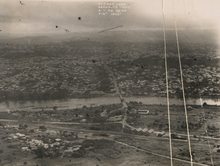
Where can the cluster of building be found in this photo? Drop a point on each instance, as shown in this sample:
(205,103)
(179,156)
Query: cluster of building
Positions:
(51,143)
(48,77)
(67,71)
(198,80)
(203,80)
(146,131)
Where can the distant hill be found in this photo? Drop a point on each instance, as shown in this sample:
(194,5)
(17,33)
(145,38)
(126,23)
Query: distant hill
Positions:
(185,36)
(117,36)
(29,40)
(33,40)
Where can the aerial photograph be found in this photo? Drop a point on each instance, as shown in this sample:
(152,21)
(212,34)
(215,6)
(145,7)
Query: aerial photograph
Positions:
(109,83)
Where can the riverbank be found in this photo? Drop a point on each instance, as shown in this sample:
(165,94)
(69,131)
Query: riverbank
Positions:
(104,100)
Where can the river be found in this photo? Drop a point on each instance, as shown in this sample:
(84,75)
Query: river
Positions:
(79,103)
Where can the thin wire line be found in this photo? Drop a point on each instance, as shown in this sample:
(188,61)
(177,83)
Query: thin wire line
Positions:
(167,86)
(212,162)
(211,157)
(196,13)
(181,77)
(210,153)
(186,12)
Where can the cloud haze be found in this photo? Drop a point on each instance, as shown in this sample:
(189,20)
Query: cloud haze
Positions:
(44,16)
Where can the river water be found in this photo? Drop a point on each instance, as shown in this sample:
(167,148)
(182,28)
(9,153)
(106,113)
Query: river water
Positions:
(79,103)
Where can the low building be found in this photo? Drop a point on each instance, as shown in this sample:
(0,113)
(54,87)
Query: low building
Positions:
(166,135)
(104,113)
(143,112)
(22,126)
(25,148)
(144,130)
(189,108)
(139,129)
(151,131)
(114,118)
(51,132)
(159,133)
(83,121)
(69,152)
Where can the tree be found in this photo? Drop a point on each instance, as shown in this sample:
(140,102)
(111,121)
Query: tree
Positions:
(54,108)
(140,103)
(40,152)
(87,115)
(204,104)
(1,124)
(42,128)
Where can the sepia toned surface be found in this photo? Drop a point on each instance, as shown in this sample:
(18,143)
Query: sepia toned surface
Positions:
(109,83)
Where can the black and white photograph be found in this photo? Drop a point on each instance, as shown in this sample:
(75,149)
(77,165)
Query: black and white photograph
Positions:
(109,83)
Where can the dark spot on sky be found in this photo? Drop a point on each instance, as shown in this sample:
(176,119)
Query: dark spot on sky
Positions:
(21,3)
(79,18)
(19,20)
(88,39)
(67,31)
(0,30)
(56,26)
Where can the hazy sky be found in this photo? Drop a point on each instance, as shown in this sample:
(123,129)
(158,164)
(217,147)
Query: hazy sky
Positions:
(37,16)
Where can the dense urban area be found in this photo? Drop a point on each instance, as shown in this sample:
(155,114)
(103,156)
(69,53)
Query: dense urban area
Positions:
(78,69)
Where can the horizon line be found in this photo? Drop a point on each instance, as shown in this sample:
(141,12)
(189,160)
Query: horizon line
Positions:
(148,29)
